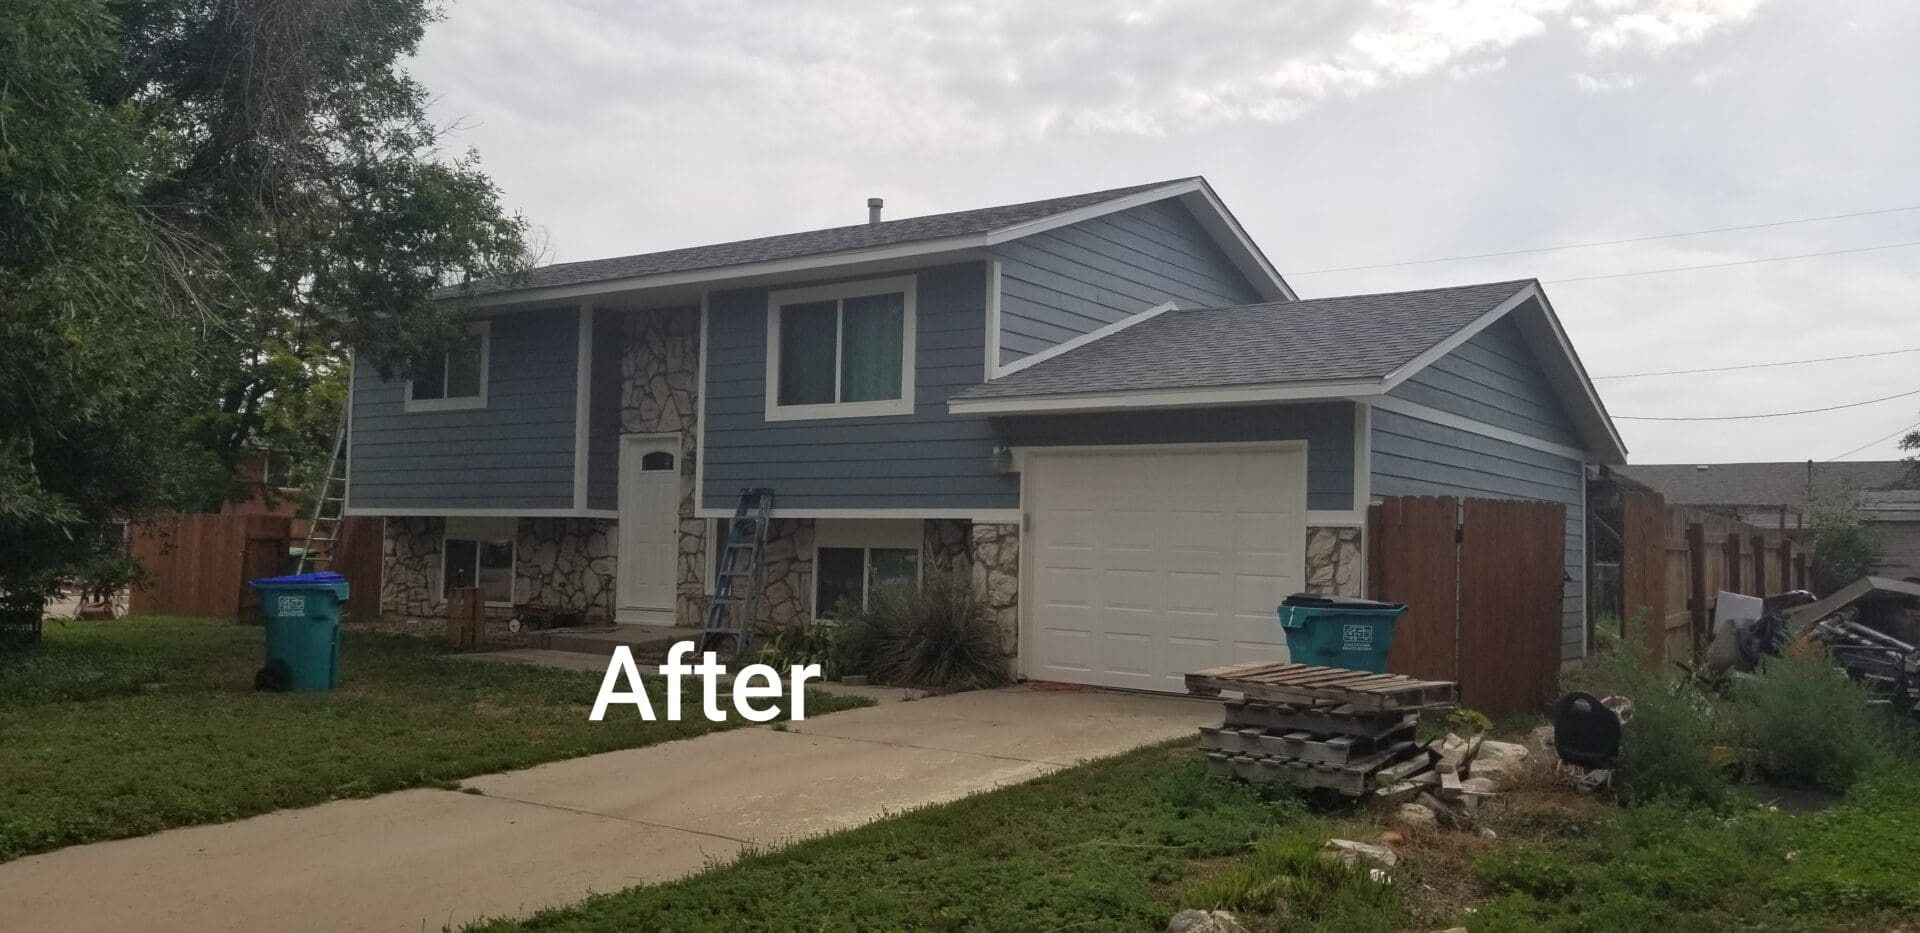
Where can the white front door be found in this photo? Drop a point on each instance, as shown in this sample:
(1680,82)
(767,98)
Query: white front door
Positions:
(649,525)
(1145,564)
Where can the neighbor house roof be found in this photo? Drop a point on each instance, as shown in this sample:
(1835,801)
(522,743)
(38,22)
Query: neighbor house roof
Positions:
(1765,484)
(956,230)
(1353,337)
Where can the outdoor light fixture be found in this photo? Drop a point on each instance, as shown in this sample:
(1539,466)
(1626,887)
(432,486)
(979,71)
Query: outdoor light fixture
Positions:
(1002,459)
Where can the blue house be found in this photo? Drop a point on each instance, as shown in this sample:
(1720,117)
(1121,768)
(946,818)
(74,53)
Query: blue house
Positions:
(1109,409)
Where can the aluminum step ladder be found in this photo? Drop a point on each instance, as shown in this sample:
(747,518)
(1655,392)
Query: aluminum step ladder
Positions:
(741,576)
(329,507)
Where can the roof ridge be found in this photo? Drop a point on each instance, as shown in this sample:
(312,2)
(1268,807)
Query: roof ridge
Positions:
(1098,196)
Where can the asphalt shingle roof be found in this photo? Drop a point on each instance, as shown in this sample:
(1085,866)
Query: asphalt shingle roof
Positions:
(1349,337)
(809,243)
(1764,484)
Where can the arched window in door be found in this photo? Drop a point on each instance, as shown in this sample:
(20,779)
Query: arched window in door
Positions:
(656,460)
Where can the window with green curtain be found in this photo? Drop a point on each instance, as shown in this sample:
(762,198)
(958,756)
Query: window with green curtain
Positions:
(871,346)
(807,335)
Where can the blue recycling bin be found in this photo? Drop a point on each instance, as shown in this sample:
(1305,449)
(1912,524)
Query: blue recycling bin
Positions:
(1339,631)
(302,618)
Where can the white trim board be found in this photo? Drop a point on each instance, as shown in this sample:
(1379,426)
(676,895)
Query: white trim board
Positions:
(978,515)
(1168,398)
(410,405)
(700,411)
(907,286)
(1068,346)
(993,321)
(1406,370)
(582,404)
(1446,419)
(1239,246)
(433,512)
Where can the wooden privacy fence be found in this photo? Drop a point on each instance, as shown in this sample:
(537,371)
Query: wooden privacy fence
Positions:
(1482,581)
(1674,560)
(199,565)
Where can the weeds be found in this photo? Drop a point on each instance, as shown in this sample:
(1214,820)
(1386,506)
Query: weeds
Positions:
(1800,721)
(939,635)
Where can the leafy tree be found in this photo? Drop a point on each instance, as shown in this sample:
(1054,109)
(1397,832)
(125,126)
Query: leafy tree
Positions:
(206,203)
(1844,548)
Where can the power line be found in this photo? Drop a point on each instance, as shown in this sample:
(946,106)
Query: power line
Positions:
(1882,440)
(1724,369)
(1740,262)
(1631,239)
(1776,414)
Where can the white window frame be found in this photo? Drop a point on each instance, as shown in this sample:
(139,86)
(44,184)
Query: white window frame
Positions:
(477,530)
(867,536)
(906,286)
(484,330)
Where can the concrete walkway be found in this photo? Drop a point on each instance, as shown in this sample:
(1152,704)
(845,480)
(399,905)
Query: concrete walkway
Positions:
(513,843)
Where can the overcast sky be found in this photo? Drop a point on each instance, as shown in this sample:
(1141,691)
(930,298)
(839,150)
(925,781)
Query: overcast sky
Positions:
(1341,133)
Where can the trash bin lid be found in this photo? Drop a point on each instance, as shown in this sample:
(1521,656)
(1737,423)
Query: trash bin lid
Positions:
(1337,602)
(323,578)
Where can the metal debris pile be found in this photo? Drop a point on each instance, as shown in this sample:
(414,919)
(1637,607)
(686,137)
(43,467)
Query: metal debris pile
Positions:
(1871,628)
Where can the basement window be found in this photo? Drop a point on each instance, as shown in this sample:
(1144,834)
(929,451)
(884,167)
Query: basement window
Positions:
(479,552)
(855,559)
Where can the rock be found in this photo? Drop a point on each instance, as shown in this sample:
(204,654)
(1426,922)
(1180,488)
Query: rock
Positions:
(1475,791)
(1497,758)
(1413,814)
(1204,921)
(1488,833)
(1541,740)
(1349,852)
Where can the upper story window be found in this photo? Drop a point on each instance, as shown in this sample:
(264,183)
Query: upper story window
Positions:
(456,378)
(841,351)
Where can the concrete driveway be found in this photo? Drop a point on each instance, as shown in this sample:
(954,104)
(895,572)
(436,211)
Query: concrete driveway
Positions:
(510,844)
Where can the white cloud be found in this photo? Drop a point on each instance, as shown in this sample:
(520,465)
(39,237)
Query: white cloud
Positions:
(1604,83)
(1656,26)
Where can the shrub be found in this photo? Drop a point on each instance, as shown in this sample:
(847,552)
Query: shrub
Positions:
(1844,549)
(940,635)
(1799,720)
(1666,748)
(1290,880)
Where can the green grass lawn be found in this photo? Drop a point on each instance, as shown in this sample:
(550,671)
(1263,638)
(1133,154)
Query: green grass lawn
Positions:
(124,728)
(1122,844)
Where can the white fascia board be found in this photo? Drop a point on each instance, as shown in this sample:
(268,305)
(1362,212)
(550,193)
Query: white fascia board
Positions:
(1618,451)
(978,515)
(1447,419)
(1090,336)
(1245,254)
(433,512)
(1406,370)
(1167,398)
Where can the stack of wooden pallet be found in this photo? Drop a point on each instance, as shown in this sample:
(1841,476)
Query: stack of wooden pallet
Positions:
(1345,730)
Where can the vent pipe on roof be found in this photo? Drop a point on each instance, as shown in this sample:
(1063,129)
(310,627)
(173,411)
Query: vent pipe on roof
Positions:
(873,209)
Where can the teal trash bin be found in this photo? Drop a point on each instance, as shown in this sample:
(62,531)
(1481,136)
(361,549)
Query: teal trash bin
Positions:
(1339,631)
(302,616)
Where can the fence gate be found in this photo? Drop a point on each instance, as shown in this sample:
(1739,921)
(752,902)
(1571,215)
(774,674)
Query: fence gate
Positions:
(1482,580)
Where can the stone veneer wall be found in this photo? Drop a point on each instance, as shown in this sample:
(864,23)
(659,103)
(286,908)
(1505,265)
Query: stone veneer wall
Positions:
(563,564)
(787,598)
(1334,561)
(660,394)
(995,555)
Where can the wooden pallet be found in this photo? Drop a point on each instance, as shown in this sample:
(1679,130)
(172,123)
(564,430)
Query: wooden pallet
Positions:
(1313,686)
(1343,719)
(1332,749)
(1383,768)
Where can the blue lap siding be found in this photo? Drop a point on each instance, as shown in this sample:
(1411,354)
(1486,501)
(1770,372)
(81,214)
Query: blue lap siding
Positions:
(926,460)
(1327,427)
(1060,284)
(516,453)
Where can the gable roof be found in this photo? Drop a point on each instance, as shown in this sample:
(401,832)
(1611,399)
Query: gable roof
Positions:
(1765,484)
(1352,346)
(861,242)
(1353,337)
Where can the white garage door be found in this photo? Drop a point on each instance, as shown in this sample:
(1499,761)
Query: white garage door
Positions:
(1149,563)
